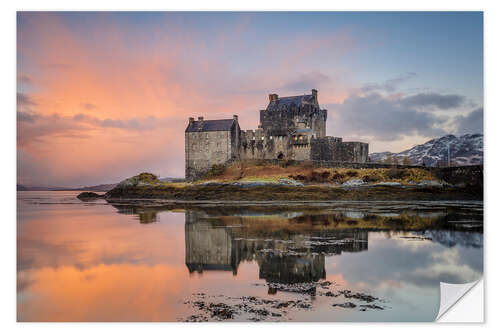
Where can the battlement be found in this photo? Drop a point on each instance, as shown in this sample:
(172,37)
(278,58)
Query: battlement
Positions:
(292,128)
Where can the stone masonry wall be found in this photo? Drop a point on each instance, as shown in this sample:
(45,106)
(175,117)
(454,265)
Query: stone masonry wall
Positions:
(259,145)
(282,123)
(333,149)
(351,152)
(205,149)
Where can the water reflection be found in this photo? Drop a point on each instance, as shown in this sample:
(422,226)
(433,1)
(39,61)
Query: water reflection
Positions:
(288,257)
(86,262)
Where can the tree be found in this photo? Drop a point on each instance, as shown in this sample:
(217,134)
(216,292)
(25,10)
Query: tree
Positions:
(388,159)
(406,161)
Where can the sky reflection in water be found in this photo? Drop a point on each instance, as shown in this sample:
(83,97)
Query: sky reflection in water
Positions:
(96,262)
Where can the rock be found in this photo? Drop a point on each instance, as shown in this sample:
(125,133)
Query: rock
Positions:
(388,184)
(360,296)
(301,288)
(86,196)
(353,182)
(430,183)
(348,305)
(371,306)
(253,184)
(291,182)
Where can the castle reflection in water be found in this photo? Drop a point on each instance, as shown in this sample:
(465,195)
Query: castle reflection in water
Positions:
(281,257)
(290,246)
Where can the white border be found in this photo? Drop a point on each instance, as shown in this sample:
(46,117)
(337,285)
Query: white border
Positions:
(8,132)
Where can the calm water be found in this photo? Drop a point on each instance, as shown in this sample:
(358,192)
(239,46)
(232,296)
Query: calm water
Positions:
(98,262)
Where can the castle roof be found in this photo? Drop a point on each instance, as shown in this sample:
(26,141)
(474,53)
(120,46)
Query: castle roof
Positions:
(210,125)
(285,102)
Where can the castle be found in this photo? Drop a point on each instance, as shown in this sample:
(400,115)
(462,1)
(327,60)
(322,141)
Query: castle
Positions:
(292,128)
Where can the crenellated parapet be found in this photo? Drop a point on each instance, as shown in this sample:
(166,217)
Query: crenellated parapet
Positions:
(292,128)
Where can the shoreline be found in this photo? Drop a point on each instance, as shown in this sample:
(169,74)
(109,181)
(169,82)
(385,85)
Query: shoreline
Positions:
(282,193)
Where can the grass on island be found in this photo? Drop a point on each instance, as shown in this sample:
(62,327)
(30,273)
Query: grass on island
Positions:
(148,186)
(305,173)
(308,174)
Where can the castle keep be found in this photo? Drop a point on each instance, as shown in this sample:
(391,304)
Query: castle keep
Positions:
(292,128)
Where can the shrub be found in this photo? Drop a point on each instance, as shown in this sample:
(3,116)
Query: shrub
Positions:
(351,173)
(337,177)
(319,176)
(147,177)
(371,178)
(395,173)
(351,222)
(298,177)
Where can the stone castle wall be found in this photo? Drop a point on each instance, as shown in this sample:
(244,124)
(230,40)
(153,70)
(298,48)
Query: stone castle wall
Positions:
(333,149)
(283,123)
(205,149)
(260,145)
(291,128)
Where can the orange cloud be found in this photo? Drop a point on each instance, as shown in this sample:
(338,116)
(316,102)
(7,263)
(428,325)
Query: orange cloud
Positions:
(86,86)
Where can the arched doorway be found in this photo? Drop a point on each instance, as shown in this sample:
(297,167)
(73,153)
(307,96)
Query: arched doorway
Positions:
(280,155)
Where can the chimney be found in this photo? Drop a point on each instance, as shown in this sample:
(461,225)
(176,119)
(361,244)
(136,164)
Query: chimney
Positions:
(235,117)
(191,119)
(200,118)
(315,94)
(273,97)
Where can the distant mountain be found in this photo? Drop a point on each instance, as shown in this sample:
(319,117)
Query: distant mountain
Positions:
(21,187)
(464,150)
(95,188)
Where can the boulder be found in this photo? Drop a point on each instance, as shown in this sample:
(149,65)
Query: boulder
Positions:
(290,182)
(353,182)
(85,196)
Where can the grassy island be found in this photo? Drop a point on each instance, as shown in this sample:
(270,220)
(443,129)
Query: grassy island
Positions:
(264,182)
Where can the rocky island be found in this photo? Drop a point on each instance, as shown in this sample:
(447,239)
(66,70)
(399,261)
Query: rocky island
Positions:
(261,181)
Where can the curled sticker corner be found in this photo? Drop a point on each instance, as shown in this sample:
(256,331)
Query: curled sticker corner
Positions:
(450,294)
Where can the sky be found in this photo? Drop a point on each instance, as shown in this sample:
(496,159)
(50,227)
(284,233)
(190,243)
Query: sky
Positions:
(102,96)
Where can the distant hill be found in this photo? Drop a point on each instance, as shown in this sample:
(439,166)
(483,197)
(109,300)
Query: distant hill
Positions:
(21,187)
(464,150)
(94,188)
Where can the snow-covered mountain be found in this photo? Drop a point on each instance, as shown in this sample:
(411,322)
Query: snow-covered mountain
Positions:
(464,150)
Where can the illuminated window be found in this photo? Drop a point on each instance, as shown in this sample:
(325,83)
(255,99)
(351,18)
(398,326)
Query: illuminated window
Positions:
(271,137)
